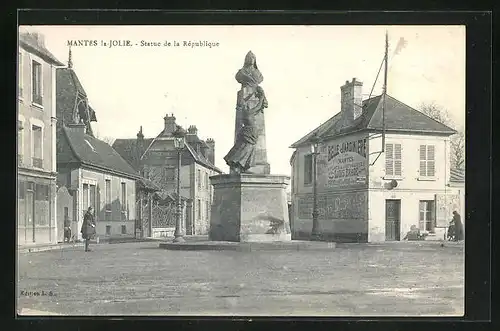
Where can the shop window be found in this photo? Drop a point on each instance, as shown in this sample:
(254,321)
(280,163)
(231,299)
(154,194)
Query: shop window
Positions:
(42,205)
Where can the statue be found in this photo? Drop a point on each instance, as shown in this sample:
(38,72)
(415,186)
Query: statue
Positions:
(249,117)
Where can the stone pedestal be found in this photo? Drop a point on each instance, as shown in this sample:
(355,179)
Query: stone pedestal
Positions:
(250,208)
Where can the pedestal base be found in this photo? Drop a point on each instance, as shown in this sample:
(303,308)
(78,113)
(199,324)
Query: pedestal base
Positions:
(250,208)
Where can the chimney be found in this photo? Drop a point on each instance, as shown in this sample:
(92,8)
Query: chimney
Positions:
(193,130)
(211,150)
(40,38)
(170,125)
(351,101)
(78,127)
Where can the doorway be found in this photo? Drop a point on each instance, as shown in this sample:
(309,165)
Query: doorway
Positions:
(392,220)
(29,235)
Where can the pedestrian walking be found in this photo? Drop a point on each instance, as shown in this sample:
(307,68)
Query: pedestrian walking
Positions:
(88,227)
(459,229)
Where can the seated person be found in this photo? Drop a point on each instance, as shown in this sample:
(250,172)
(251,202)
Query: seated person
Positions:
(413,234)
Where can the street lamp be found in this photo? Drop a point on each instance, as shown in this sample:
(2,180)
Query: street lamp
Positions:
(315,233)
(179,146)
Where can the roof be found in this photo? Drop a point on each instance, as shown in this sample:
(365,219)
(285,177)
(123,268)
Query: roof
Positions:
(147,185)
(68,89)
(169,196)
(29,42)
(85,149)
(457,175)
(398,117)
(127,148)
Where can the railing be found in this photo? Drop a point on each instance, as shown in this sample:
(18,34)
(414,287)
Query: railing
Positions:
(37,163)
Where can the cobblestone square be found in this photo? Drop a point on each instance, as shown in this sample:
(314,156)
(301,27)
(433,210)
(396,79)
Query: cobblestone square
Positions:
(406,279)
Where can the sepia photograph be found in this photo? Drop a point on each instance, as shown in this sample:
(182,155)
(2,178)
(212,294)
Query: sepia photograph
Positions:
(241,170)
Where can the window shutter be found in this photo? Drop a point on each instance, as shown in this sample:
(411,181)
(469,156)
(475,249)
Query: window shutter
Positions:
(389,159)
(423,163)
(307,169)
(397,159)
(430,161)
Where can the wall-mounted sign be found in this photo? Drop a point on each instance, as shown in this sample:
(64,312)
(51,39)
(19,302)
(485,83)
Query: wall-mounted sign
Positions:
(343,164)
(334,206)
(445,205)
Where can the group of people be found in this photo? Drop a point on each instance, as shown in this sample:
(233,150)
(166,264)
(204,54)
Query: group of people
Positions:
(455,230)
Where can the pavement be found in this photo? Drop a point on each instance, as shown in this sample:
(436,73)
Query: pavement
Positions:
(404,279)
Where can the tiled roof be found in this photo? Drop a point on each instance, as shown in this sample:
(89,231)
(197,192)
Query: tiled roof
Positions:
(94,152)
(127,148)
(457,175)
(147,185)
(29,43)
(398,117)
(68,88)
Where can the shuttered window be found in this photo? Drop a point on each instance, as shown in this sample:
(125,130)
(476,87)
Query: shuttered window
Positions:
(427,161)
(393,160)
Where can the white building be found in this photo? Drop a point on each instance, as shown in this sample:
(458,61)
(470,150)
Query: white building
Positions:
(369,193)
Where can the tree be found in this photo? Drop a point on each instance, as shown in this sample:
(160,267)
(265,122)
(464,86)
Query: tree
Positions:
(108,140)
(457,141)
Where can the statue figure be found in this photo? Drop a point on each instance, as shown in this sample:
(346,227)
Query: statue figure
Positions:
(249,107)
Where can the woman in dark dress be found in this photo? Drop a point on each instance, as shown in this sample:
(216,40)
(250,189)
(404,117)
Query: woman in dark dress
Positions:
(88,227)
(458,226)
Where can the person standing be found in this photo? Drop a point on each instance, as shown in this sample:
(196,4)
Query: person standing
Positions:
(88,227)
(459,229)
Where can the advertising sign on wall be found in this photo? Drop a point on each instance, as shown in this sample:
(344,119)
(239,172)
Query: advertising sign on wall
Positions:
(343,164)
(445,205)
(334,206)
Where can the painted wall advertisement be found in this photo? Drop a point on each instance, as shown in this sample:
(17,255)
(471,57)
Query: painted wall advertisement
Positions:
(334,206)
(343,164)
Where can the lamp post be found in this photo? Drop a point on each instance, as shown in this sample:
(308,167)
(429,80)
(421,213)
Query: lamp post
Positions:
(315,233)
(179,146)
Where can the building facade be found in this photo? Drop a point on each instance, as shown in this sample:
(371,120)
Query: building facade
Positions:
(90,172)
(36,141)
(156,159)
(374,184)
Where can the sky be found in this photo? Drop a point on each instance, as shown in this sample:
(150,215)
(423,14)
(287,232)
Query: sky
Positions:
(303,69)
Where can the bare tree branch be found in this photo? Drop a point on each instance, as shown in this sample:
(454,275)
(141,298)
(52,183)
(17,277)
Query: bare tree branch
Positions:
(457,141)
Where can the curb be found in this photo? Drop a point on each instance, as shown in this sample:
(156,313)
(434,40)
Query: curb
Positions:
(248,246)
(47,248)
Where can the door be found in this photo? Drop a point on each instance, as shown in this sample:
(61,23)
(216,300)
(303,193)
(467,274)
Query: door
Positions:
(392,220)
(30,217)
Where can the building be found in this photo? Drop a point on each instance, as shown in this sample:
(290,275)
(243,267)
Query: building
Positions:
(156,159)
(372,185)
(90,172)
(36,141)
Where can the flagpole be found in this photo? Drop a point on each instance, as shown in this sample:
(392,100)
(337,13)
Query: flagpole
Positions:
(384,92)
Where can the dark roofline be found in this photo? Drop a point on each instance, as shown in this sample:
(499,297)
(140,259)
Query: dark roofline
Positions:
(453,131)
(97,167)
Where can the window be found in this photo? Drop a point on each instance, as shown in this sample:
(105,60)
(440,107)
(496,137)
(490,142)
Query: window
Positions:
(108,230)
(198,207)
(124,229)
(41,214)
(427,221)
(393,159)
(37,146)
(168,174)
(308,167)
(198,179)
(20,143)
(207,209)
(427,161)
(20,75)
(36,83)
(207,180)
(107,189)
